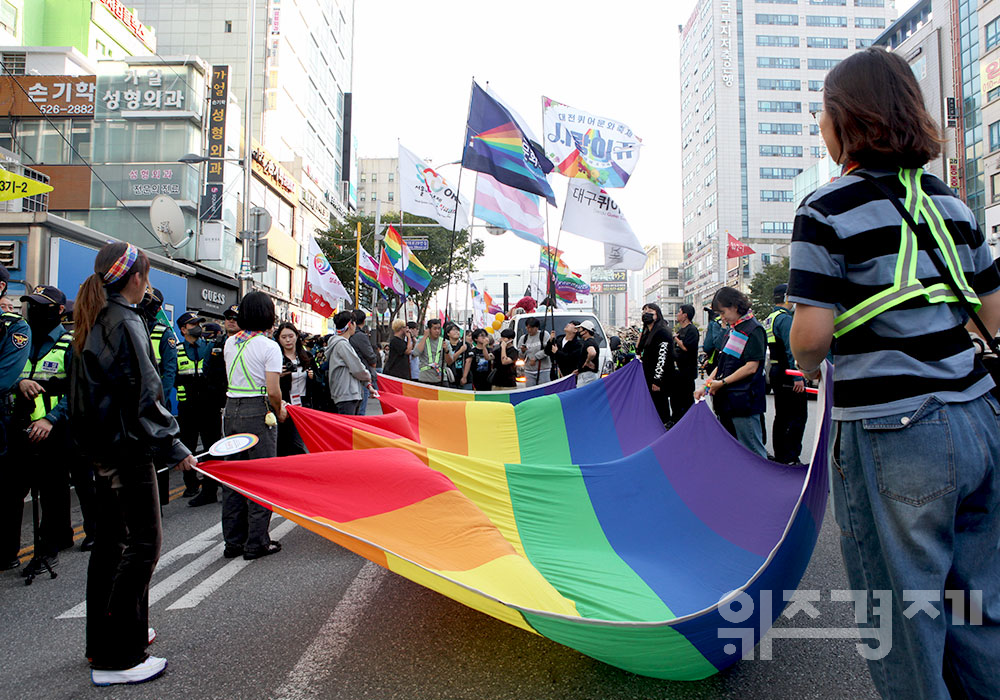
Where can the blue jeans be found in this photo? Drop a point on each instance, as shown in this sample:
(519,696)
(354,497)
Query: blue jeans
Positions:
(917,498)
(748,430)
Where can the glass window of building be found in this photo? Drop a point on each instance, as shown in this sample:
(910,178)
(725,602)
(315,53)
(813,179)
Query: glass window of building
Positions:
(995,187)
(768,40)
(863,43)
(778,62)
(823,63)
(994,131)
(785,20)
(869,3)
(778,84)
(776,227)
(869,22)
(815,86)
(826,42)
(775,195)
(825,21)
(993,33)
(779,128)
(392,196)
(778,106)
(773,151)
(772,2)
(779,173)
(80,137)
(828,2)
(374,177)
(392,177)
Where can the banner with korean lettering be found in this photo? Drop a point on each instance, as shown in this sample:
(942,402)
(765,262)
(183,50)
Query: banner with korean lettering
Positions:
(737,249)
(323,288)
(590,212)
(218,100)
(425,192)
(604,151)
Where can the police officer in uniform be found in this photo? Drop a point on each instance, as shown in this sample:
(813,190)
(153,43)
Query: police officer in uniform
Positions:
(15,345)
(195,412)
(165,353)
(39,440)
(790,399)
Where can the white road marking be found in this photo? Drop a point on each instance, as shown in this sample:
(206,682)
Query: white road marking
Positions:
(196,544)
(333,637)
(220,577)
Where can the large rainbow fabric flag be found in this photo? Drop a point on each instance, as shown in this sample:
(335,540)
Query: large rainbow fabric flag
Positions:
(368,270)
(419,390)
(572,515)
(414,273)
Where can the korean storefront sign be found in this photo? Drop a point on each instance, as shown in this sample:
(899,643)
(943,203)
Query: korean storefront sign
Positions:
(271,171)
(144,89)
(217,121)
(49,95)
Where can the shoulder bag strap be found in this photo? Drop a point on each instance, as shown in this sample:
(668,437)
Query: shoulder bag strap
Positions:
(933,254)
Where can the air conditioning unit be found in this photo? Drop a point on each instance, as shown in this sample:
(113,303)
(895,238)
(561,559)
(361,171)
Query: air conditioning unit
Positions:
(10,254)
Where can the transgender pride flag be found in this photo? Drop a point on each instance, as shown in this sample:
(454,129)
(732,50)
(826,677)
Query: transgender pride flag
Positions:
(509,208)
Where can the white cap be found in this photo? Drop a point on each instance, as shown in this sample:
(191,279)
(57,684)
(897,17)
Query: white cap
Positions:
(589,325)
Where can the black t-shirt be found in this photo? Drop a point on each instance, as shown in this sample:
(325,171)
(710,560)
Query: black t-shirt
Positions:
(567,354)
(687,360)
(480,365)
(398,363)
(505,374)
(590,343)
(459,358)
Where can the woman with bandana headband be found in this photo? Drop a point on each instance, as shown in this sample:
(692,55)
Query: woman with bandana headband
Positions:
(118,419)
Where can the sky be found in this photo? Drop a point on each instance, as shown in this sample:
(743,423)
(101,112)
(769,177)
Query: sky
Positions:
(414,63)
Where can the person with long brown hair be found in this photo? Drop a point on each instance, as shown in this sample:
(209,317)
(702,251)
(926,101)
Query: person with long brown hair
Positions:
(887,266)
(119,421)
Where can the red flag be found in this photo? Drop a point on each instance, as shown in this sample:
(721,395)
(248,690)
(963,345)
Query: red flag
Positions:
(387,275)
(738,249)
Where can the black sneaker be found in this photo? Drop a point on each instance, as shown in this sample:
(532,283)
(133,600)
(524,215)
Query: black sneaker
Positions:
(14,563)
(87,544)
(271,548)
(203,499)
(190,492)
(37,565)
(231,552)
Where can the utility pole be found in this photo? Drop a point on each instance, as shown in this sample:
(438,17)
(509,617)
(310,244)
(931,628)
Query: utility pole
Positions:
(246,276)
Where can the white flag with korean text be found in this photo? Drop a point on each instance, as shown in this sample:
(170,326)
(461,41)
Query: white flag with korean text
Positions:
(590,212)
(425,192)
(582,145)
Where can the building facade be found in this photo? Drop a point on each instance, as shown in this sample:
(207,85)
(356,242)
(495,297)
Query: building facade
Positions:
(378,181)
(609,296)
(303,57)
(99,29)
(989,18)
(751,75)
(663,279)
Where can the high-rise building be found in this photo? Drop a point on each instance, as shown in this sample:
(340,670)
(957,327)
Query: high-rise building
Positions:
(303,56)
(662,283)
(989,18)
(378,182)
(99,29)
(751,76)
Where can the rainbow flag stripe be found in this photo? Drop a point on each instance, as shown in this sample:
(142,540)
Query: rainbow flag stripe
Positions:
(419,390)
(572,515)
(415,275)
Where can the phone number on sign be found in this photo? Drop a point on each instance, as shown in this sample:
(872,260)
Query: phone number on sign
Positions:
(66,109)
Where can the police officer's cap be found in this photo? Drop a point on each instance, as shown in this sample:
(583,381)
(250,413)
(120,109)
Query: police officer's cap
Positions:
(780,292)
(157,296)
(43,294)
(232,312)
(213,328)
(188,317)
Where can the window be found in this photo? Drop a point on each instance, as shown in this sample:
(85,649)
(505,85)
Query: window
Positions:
(778,84)
(779,173)
(282,279)
(995,187)
(772,227)
(709,157)
(8,17)
(392,177)
(993,33)
(826,42)
(374,177)
(361,177)
(392,196)
(775,195)
(779,128)
(993,94)
(773,2)
(778,106)
(869,3)
(815,107)
(710,200)
(869,22)
(768,40)
(863,43)
(710,178)
(816,151)
(994,131)
(824,21)
(823,63)
(814,129)
(781,151)
(815,86)
(229,27)
(786,20)
(828,2)
(770,62)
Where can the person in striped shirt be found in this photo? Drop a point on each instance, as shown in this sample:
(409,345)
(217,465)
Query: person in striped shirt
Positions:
(916,458)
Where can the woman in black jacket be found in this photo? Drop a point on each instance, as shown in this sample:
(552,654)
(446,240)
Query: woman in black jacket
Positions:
(119,421)
(656,350)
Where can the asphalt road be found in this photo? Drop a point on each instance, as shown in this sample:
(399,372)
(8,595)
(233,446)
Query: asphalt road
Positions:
(316,621)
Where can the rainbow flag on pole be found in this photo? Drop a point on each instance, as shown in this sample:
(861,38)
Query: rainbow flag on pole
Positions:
(415,274)
(368,270)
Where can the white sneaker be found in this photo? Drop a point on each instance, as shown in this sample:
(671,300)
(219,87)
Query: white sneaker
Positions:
(149,669)
(152,636)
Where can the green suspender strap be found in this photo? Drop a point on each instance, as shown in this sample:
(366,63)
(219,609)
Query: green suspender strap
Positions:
(254,389)
(436,352)
(906,285)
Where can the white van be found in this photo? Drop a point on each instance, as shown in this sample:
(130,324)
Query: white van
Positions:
(554,323)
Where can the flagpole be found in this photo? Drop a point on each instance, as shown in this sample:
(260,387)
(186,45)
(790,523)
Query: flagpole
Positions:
(357,268)
(454,221)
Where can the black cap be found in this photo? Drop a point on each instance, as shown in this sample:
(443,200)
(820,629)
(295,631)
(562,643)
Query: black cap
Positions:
(4,274)
(213,328)
(188,317)
(68,311)
(43,294)
(157,295)
(232,312)
(780,292)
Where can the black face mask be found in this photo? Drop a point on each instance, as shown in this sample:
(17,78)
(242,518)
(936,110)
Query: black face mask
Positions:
(43,317)
(195,332)
(648,319)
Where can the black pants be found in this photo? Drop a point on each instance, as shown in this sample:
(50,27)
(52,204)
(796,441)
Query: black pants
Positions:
(198,416)
(661,400)
(125,553)
(791,411)
(681,398)
(245,523)
(289,440)
(46,465)
(347,408)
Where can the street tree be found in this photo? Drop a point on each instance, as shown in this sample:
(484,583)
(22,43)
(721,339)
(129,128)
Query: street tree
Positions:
(762,287)
(340,240)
